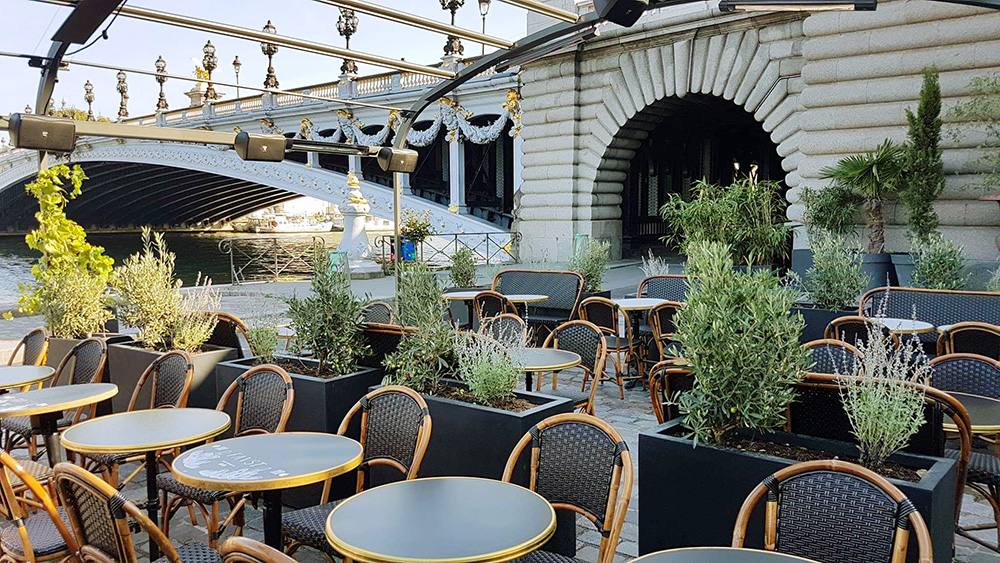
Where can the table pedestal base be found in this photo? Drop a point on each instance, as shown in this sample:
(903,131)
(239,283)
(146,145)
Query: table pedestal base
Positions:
(152,501)
(47,425)
(271,505)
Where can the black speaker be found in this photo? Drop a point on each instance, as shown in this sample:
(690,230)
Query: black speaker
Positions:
(41,133)
(622,12)
(258,147)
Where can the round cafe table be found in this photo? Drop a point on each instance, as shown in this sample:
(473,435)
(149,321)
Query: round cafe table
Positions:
(268,463)
(718,555)
(984,413)
(904,326)
(452,519)
(533,360)
(45,407)
(638,303)
(15,377)
(468,297)
(146,431)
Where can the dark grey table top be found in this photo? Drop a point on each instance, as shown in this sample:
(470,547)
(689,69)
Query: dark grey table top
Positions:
(984,413)
(544,359)
(453,519)
(53,399)
(717,555)
(145,430)
(18,376)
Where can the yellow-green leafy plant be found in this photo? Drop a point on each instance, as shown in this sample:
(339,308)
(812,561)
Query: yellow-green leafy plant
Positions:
(742,343)
(149,296)
(591,261)
(263,340)
(197,316)
(463,268)
(66,258)
(938,263)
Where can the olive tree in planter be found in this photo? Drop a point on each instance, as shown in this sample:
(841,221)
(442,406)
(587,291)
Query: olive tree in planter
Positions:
(938,263)
(462,277)
(149,298)
(591,262)
(742,343)
(833,284)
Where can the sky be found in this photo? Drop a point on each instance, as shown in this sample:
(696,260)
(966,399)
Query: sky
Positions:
(137,44)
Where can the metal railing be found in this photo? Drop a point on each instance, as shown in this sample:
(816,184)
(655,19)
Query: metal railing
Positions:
(270,258)
(487,248)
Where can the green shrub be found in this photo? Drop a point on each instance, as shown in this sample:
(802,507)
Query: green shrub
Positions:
(830,210)
(418,296)
(416,227)
(197,316)
(74,303)
(884,413)
(485,366)
(149,296)
(463,268)
(748,216)
(327,322)
(924,176)
(994,282)
(938,264)
(263,341)
(591,261)
(978,116)
(835,279)
(743,346)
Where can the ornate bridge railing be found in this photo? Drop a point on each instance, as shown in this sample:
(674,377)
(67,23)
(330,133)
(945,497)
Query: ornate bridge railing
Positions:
(487,248)
(270,258)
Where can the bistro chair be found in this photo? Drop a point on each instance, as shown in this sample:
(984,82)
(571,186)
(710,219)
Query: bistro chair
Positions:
(246,550)
(32,536)
(230,332)
(382,339)
(829,510)
(970,338)
(36,348)
(832,357)
(581,464)
(666,379)
(672,287)
(263,401)
(617,329)
(377,312)
(101,520)
(588,341)
(507,328)
(662,324)
(395,431)
(853,329)
(489,304)
(169,379)
(88,359)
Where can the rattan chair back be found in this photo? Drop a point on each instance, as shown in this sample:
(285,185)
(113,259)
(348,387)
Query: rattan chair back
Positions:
(99,516)
(982,339)
(170,378)
(833,357)
(663,325)
(377,312)
(489,304)
(967,373)
(16,513)
(264,399)
(395,430)
(238,549)
(35,345)
(562,287)
(853,329)
(666,379)
(586,340)
(605,314)
(672,287)
(505,327)
(228,331)
(88,359)
(581,464)
(831,510)
(382,339)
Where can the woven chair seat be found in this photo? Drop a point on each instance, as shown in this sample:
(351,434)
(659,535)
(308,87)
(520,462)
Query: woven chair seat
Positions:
(547,557)
(108,460)
(616,342)
(21,425)
(168,483)
(983,468)
(542,319)
(307,525)
(40,472)
(195,553)
(42,533)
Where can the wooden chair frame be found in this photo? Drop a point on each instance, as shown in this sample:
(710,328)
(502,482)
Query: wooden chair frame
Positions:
(245,550)
(508,307)
(659,384)
(771,516)
(660,337)
(551,341)
(621,357)
(621,480)
(44,497)
(832,331)
(42,357)
(83,478)
(236,500)
(945,344)
(484,327)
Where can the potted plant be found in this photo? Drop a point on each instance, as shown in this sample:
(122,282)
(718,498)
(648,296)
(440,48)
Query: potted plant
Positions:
(864,180)
(150,298)
(747,215)
(416,228)
(591,262)
(742,343)
(462,276)
(832,284)
(70,289)
(938,263)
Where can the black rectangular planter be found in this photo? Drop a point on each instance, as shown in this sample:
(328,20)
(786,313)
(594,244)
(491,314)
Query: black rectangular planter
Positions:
(691,496)
(320,406)
(126,362)
(817,320)
(60,347)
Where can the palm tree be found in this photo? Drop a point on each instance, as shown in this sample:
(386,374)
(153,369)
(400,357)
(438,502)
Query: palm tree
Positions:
(870,177)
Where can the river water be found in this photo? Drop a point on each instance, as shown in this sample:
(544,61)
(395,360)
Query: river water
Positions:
(196,253)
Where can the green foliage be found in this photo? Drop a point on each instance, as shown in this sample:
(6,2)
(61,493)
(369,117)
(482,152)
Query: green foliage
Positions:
(654,265)
(884,413)
(591,261)
(748,216)
(197,316)
(743,346)
(924,176)
(870,178)
(149,296)
(831,209)
(418,296)
(66,257)
(328,321)
(463,268)
(835,279)
(981,113)
(938,264)
(263,341)
(416,227)
(485,366)
(994,282)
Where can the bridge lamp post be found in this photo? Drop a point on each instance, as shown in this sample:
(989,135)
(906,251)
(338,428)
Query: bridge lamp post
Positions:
(88,97)
(123,91)
(270,49)
(236,66)
(161,77)
(210,62)
(484,8)
(347,25)
(454,45)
